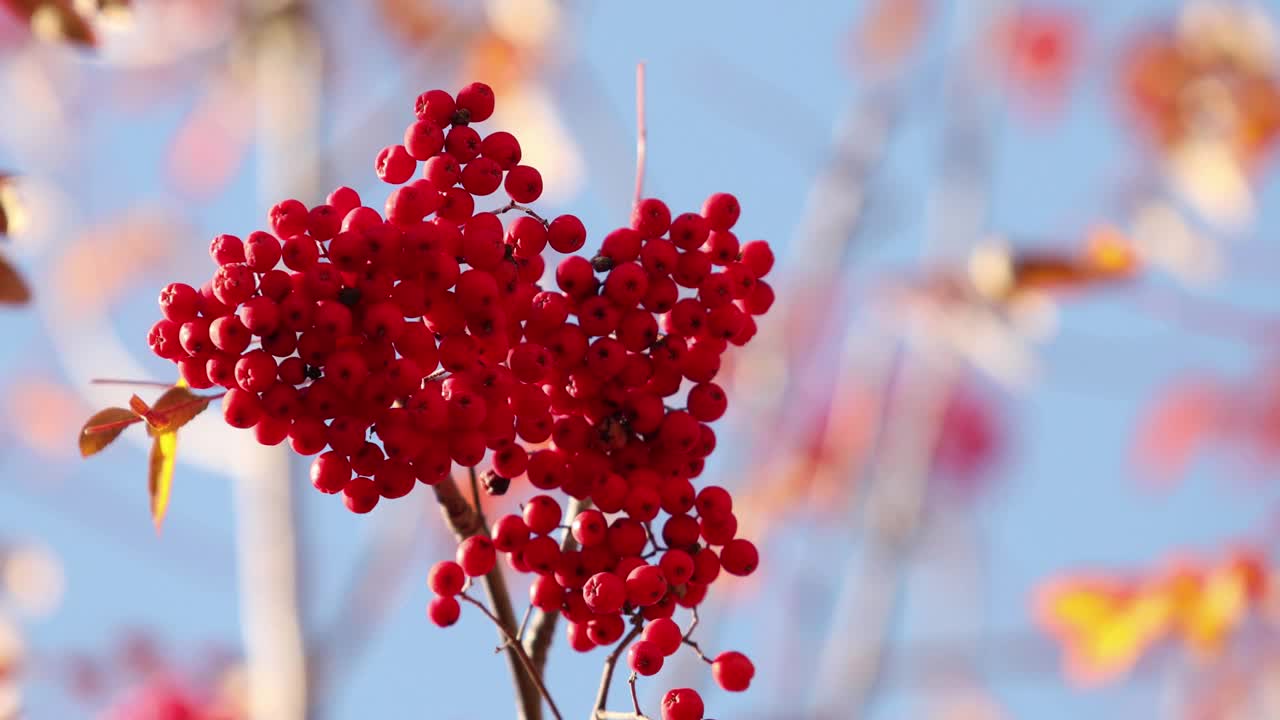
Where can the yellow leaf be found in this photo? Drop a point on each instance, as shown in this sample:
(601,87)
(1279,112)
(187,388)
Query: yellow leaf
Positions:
(160,475)
(175,408)
(103,428)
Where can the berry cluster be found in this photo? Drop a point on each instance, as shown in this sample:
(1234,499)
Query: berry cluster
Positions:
(395,345)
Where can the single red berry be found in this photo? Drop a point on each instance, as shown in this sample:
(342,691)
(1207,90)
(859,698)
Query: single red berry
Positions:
(732,671)
(262,251)
(605,593)
(546,594)
(590,528)
(179,302)
(510,533)
(476,555)
(645,658)
(444,611)
(234,283)
(651,217)
(477,101)
(542,554)
(343,200)
(423,139)
(446,578)
(689,231)
(462,142)
(324,221)
(646,585)
(665,634)
(482,176)
(360,495)
(434,105)
(682,704)
(330,472)
(502,147)
(758,257)
(566,234)
(739,557)
(677,566)
(288,217)
(395,479)
(307,436)
(300,253)
(523,184)
(579,634)
(721,211)
(395,165)
(165,339)
(241,409)
(606,629)
(443,171)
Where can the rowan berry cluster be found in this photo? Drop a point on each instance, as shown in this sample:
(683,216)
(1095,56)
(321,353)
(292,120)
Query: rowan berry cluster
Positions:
(395,345)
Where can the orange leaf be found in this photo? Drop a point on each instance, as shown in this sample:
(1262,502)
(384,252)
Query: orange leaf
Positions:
(13,288)
(160,475)
(139,406)
(175,408)
(54,20)
(103,428)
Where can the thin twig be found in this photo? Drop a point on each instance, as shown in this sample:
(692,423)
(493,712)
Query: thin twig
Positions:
(513,205)
(697,650)
(465,522)
(635,699)
(519,652)
(641,134)
(606,678)
(139,383)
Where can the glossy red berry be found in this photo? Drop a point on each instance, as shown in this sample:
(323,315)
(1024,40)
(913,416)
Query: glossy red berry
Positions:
(477,101)
(444,611)
(446,578)
(476,555)
(645,658)
(682,704)
(665,634)
(732,671)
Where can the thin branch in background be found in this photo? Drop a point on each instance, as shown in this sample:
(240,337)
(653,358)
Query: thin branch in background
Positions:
(606,677)
(465,521)
(642,135)
(519,652)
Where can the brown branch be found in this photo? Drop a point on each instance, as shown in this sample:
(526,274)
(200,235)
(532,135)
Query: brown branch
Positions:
(606,678)
(465,521)
(543,627)
(518,651)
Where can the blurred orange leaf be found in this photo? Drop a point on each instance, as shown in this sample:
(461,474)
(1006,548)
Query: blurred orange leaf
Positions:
(13,288)
(103,428)
(53,20)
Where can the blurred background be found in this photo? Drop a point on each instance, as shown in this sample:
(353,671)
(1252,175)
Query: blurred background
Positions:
(1007,440)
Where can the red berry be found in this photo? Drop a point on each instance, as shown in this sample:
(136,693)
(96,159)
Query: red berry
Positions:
(330,472)
(434,105)
(542,514)
(360,495)
(482,176)
(651,217)
(241,409)
(523,184)
(566,234)
(682,704)
(665,634)
(733,671)
(590,528)
(234,283)
(605,593)
(477,100)
(422,140)
(739,557)
(646,585)
(288,217)
(179,302)
(444,611)
(645,658)
(721,211)
(546,594)
(758,257)
(446,578)
(463,143)
(677,566)
(510,533)
(476,555)
(502,147)
(395,165)
(343,200)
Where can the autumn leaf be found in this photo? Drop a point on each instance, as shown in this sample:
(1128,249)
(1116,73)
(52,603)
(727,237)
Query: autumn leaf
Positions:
(103,428)
(160,474)
(53,20)
(13,288)
(174,409)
